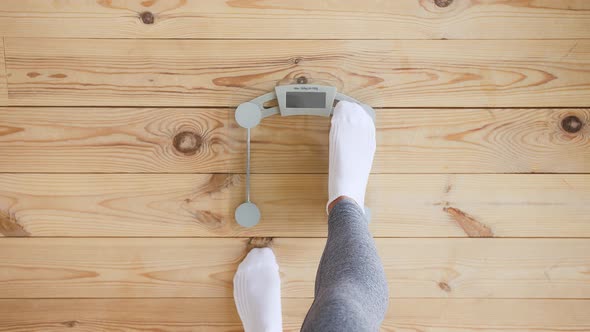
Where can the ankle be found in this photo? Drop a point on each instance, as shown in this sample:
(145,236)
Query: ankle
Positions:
(337,200)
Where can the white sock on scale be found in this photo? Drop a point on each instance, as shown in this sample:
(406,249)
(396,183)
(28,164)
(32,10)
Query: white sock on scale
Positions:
(352,147)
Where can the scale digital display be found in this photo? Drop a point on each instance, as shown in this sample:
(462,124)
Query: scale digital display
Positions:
(306,99)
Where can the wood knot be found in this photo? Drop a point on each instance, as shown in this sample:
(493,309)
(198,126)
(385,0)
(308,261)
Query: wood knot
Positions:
(147,17)
(71,323)
(444,286)
(469,224)
(187,143)
(572,124)
(9,226)
(443,3)
(297,60)
(259,242)
(301,80)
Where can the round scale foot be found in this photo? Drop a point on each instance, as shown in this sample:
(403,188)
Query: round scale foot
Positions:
(247,214)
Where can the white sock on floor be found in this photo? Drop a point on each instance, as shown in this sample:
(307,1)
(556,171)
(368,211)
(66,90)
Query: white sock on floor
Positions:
(352,147)
(257,292)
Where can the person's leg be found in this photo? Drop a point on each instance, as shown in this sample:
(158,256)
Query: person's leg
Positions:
(351,289)
(257,292)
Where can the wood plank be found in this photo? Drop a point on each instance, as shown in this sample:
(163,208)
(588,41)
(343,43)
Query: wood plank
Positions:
(204,267)
(405,19)
(219,314)
(126,140)
(3,79)
(421,205)
(406,73)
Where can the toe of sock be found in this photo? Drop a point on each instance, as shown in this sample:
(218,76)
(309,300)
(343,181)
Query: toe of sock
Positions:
(259,257)
(350,112)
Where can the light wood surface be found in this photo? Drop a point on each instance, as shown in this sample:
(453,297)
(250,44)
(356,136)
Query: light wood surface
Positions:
(403,73)
(409,141)
(304,19)
(3,81)
(218,314)
(204,267)
(403,205)
(119,140)
(121,165)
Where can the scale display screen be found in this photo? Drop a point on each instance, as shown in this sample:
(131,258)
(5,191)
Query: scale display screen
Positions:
(306,99)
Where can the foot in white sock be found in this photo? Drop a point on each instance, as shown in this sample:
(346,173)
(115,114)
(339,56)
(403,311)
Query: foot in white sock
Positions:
(352,147)
(257,292)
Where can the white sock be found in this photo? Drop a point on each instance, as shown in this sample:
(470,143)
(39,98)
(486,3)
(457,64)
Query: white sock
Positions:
(257,292)
(352,147)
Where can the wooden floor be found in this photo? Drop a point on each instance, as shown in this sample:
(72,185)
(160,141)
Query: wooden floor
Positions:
(121,164)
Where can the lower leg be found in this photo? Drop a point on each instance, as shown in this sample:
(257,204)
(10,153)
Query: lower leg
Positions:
(351,289)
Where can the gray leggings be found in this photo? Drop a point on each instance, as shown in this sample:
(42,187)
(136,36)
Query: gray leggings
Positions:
(350,287)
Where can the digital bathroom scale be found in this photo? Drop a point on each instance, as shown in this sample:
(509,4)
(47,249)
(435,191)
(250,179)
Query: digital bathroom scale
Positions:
(294,99)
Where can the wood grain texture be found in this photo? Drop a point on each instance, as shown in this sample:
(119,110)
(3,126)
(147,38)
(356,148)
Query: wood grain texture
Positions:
(418,205)
(93,88)
(219,314)
(119,140)
(204,267)
(127,140)
(406,73)
(405,19)
(3,81)
(436,140)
